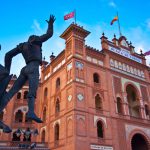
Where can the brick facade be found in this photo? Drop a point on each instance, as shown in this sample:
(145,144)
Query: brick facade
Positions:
(82,89)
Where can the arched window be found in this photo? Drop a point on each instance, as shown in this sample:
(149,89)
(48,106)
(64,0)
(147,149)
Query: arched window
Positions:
(57,107)
(98,102)
(147,110)
(45,92)
(119,105)
(19,95)
(57,132)
(43,136)
(100,131)
(133,102)
(27,120)
(58,83)
(44,114)
(19,116)
(96,78)
(1,116)
(25,95)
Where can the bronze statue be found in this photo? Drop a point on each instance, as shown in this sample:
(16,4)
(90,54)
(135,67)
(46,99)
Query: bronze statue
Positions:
(32,53)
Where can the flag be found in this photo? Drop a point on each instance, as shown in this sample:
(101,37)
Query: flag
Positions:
(115,19)
(147,53)
(70,15)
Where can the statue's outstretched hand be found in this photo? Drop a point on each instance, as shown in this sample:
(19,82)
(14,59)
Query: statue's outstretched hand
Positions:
(51,19)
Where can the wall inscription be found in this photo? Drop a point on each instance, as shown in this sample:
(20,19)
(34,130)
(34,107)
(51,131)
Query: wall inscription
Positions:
(100,147)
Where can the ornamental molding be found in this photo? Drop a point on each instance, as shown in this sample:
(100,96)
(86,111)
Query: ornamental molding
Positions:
(96,118)
(130,128)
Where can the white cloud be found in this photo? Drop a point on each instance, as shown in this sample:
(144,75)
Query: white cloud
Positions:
(36,27)
(112,4)
(148,23)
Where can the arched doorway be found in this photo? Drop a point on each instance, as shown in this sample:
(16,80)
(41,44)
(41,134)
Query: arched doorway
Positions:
(133,103)
(138,142)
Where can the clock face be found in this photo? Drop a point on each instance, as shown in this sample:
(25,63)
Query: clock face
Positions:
(80,97)
(69,98)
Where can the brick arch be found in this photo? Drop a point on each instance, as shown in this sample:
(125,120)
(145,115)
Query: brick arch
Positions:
(43,128)
(55,100)
(131,83)
(101,96)
(103,122)
(119,96)
(56,122)
(103,126)
(24,109)
(143,134)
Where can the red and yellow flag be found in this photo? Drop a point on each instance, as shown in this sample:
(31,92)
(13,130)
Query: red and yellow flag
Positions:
(115,19)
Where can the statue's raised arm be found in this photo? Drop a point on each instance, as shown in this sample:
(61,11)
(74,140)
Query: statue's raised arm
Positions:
(40,39)
(49,32)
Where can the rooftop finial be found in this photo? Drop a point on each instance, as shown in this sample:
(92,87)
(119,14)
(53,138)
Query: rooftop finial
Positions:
(52,57)
(103,34)
(114,35)
(130,43)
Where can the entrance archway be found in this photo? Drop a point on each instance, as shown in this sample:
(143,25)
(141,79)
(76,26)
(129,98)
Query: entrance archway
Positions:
(138,142)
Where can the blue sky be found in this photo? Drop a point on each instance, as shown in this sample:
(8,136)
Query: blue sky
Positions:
(22,18)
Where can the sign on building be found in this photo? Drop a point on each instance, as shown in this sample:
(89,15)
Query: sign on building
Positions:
(125,53)
(101,147)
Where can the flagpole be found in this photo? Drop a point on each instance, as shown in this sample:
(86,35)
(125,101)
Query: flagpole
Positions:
(119,25)
(75,16)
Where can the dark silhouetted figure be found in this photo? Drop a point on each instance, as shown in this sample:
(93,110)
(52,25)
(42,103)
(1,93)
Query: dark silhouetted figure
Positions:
(32,53)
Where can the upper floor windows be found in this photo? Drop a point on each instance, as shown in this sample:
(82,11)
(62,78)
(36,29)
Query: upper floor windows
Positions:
(96,78)
(57,107)
(44,114)
(25,95)
(58,83)
(98,102)
(45,92)
(19,95)
(119,106)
